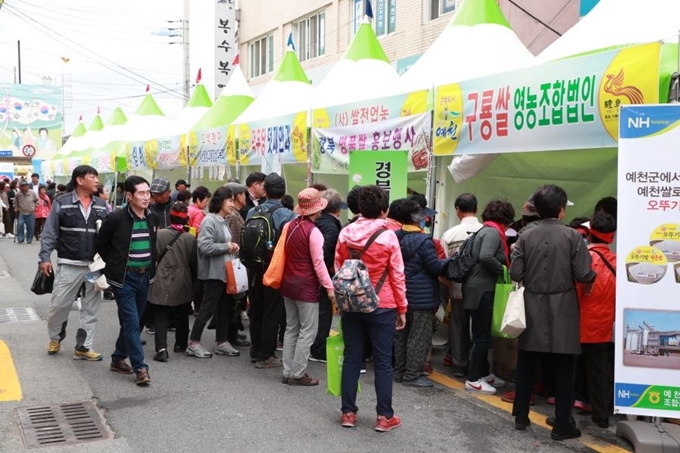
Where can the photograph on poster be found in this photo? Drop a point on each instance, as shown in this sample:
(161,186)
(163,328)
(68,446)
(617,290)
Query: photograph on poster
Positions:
(651,338)
(646,265)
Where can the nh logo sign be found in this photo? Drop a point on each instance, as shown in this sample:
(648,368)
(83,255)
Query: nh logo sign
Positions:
(637,123)
(624,394)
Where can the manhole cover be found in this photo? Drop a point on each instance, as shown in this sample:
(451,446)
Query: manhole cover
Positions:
(63,424)
(18,315)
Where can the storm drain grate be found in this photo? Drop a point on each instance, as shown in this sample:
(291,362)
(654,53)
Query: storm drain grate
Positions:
(64,424)
(18,315)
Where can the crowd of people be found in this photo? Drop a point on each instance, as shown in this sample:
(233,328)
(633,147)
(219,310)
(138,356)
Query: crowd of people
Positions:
(166,259)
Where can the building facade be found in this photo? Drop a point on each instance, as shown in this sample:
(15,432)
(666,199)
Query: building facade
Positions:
(321,30)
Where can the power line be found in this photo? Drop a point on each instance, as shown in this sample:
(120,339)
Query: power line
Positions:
(19,14)
(535,18)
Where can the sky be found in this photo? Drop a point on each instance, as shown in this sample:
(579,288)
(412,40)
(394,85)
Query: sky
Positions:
(113,49)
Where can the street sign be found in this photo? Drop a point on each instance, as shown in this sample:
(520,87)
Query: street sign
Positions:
(6,153)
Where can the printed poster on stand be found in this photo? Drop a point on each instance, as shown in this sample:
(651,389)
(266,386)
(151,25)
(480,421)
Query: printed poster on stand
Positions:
(386,169)
(647,328)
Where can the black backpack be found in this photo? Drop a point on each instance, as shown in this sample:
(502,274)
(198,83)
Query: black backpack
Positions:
(458,267)
(258,238)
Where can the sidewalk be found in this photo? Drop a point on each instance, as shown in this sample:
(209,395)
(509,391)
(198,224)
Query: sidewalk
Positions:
(43,380)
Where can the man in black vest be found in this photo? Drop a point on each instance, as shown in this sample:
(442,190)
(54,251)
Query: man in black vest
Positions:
(71,228)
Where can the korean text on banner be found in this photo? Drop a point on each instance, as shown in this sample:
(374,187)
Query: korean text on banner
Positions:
(134,152)
(163,153)
(226,44)
(386,169)
(566,104)
(104,161)
(274,141)
(209,148)
(647,328)
(332,147)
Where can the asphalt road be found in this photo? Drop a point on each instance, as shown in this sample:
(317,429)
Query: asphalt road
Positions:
(224,403)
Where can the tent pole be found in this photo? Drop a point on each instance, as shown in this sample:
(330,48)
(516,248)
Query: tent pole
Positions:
(188,163)
(309,156)
(431,186)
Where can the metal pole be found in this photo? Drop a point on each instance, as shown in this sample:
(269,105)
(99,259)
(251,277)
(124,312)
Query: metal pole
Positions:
(185,50)
(19,58)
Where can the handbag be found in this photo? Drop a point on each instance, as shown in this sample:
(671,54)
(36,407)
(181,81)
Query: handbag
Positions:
(514,320)
(500,302)
(237,277)
(274,274)
(42,284)
(335,356)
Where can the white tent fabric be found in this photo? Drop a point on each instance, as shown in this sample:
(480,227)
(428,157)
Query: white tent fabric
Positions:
(618,22)
(464,52)
(237,86)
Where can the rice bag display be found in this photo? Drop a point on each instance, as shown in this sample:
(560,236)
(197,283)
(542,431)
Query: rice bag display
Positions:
(666,238)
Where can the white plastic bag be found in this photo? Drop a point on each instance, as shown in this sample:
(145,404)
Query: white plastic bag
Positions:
(514,319)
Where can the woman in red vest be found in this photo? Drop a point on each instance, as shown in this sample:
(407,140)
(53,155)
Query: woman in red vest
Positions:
(305,273)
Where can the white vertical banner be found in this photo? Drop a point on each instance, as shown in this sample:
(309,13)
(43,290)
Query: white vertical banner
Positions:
(226,43)
(647,329)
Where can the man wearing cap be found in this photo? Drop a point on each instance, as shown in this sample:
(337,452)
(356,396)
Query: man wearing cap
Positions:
(71,229)
(266,306)
(255,187)
(458,354)
(329,225)
(180,186)
(306,277)
(160,192)
(25,203)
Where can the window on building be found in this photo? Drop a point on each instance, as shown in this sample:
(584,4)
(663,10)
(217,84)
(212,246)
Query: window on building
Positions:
(261,56)
(384,16)
(440,7)
(311,36)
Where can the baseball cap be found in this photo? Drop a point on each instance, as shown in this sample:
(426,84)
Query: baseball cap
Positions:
(274,181)
(160,185)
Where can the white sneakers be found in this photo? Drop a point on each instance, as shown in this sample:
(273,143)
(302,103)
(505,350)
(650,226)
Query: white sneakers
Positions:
(480,386)
(494,380)
(485,385)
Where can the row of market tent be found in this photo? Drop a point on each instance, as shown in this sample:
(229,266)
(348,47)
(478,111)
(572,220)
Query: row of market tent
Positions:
(469,95)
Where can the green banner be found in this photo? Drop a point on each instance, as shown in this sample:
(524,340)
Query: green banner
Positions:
(386,169)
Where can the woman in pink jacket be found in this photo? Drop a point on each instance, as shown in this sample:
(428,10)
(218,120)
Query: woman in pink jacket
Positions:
(378,326)
(41,210)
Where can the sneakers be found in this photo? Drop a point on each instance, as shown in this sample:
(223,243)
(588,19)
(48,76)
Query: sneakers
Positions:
(271,362)
(161,356)
(567,433)
(522,423)
(197,350)
(179,348)
(87,355)
(53,347)
(121,367)
(314,359)
(494,380)
(420,381)
(480,386)
(151,330)
(304,380)
(279,346)
(509,397)
(384,424)
(227,349)
(143,377)
(240,342)
(348,420)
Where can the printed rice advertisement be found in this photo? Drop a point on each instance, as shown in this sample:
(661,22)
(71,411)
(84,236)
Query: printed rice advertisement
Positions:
(331,147)
(566,104)
(647,328)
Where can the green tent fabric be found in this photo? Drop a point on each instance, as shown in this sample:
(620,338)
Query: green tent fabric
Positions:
(97,124)
(148,106)
(475,12)
(200,97)
(79,131)
(117,118)
(290,69)
(233,100)
(365,46)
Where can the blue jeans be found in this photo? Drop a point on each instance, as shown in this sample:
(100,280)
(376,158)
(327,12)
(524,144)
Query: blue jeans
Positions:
(357,328)
(131,299)
(481,338)
(29,221)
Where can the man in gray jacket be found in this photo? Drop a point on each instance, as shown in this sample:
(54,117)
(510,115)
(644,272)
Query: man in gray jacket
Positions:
(71,229)
(25,203)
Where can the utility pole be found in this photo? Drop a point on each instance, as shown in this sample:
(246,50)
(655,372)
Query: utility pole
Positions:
(185,48)
(19,57)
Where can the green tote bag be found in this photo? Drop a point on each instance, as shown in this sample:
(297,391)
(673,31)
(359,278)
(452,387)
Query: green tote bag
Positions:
(500,301)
